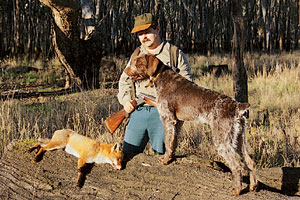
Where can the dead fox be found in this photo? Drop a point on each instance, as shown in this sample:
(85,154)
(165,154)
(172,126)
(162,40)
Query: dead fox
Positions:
(84,148)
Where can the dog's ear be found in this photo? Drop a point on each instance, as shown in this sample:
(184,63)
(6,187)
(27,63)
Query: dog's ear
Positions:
(243,109)
(152,64)
(243,106)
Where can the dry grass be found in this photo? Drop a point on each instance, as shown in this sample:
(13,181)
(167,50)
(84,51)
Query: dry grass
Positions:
(82,112)
(274,124)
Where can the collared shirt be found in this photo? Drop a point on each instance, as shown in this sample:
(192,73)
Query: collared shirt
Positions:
(128,90)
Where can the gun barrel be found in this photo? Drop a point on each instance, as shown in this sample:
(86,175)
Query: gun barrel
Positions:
(143,95)
(149,99)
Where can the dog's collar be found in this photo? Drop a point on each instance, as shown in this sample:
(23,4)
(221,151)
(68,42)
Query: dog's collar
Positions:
(152,80)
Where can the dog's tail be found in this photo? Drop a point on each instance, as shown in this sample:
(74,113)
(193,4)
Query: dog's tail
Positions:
(243,109)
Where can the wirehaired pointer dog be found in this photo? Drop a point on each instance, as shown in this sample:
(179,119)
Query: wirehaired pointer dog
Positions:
(179,99)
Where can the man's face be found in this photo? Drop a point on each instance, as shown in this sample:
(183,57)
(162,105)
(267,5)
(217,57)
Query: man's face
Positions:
(149,37)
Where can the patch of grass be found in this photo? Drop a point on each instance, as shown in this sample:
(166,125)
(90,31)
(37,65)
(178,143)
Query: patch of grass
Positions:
(30,78)
(24,145)
(45,89)
(18,74)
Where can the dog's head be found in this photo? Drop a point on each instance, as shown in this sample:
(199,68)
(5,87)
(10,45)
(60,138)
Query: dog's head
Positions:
(142,67)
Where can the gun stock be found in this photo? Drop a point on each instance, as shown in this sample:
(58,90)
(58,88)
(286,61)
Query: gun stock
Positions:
(114,121)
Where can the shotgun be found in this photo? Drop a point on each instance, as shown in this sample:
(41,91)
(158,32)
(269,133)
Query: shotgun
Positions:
(114,121)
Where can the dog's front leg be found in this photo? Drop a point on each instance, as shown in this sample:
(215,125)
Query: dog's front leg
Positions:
(170,139)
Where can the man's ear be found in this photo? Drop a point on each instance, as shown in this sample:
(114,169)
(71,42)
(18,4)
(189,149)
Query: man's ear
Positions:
(152,64)
(157,29)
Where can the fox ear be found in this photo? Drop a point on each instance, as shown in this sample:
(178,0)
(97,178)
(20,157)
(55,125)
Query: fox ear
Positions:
(116,147)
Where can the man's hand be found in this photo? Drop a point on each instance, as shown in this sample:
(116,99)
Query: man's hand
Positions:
(128,107)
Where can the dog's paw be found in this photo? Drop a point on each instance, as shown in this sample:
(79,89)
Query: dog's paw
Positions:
(236,191)
(165,160)
(254,187)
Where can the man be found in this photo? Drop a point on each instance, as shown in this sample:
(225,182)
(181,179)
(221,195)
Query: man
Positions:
(144,123)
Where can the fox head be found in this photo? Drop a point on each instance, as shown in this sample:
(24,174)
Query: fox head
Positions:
(116,156)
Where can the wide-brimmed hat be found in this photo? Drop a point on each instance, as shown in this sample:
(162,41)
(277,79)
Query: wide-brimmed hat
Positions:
(143,22)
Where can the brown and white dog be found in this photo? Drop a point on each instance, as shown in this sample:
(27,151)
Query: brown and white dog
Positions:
(179,99)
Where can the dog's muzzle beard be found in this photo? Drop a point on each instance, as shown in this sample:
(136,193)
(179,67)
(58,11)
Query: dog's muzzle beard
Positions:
(137,77)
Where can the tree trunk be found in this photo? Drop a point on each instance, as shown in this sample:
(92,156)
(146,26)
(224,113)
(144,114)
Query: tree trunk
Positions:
(88,22)
(240,86)
(81,58)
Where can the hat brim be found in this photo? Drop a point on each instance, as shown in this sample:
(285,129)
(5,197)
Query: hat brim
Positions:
(140,28)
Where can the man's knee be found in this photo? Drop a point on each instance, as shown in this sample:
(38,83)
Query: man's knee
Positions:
(131,149)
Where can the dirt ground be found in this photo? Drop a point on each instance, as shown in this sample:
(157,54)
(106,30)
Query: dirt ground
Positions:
(143,178)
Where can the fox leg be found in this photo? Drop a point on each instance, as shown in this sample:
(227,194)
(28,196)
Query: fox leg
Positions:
(81,173)
(46,147)
(38,146)
(38,156)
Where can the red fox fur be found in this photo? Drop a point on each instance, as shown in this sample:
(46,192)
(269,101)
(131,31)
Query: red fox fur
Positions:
(84,148)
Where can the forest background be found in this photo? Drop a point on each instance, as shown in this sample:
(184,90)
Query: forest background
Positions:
(203,26)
